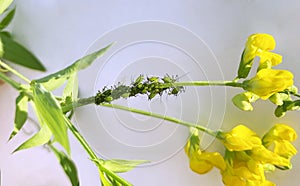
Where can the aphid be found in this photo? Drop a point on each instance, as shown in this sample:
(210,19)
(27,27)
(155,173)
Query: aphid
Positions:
(138,80)
(153,79)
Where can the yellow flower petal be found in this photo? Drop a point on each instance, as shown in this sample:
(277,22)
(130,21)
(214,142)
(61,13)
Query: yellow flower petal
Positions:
(258,45)
(268,82)
(265,156)
(200,166)
(280,132)
(262,41)
(265,56)
(284,148)
(240,138)
(204,162)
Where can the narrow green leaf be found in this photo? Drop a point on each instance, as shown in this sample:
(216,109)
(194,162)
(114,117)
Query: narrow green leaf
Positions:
(21,113)
(7,19)
(40,138)
(68,165)
(55,80)
(16,53)
(119,166)
(49,110)
(4,4)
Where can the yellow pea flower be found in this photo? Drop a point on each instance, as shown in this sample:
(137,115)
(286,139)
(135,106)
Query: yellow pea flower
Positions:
(281,135)
(261,41)
(268,82)
(265,156)
(240,138)
(242,170)
(203,162)
(280,132)
(257,45)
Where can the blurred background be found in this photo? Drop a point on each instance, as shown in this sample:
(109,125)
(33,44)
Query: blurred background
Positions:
(60,31)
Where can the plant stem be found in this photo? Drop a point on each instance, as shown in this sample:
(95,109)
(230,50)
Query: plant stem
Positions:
(4,65)
(205,83)
(86,101)
(78,103)
(295,94)
(92,155)
(159,116)
(10,81)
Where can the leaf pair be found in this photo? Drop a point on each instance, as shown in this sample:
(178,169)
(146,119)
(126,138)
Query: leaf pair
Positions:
(50,116)
(49,112)
(11,50)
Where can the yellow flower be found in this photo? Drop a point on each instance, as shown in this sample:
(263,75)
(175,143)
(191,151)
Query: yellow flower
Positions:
(280,132)
(241,169)
(258,45)
(203,162)
(281,136)
(243,101)
(268,59)
(265,156)
(261,41)
(268,82)
(240,138)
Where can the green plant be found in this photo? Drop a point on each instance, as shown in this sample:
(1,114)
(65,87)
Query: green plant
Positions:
(247,155)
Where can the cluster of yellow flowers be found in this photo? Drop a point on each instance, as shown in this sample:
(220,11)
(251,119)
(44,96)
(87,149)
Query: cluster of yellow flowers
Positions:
(268,82)
(247,157)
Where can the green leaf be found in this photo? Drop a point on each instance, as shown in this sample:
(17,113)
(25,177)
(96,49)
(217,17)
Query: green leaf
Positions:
(21,113)
(55,80)
(68,165)
(4,4)
(50,113)
(7,19)
(40,138)
(119,166)
(16,53)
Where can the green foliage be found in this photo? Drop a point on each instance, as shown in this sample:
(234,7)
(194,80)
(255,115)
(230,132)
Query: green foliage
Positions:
(16,53)
(21,113)
(287,106)
(7,19)
(68,165)
(55,80)
(4,4)
(40,138)
(244,67)
(120,166)
(49,113)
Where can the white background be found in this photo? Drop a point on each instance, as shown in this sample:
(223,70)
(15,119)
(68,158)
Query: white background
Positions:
(60,31)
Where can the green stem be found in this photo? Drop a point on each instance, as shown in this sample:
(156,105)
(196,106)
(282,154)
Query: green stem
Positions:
(90,100)
(92,155)
(4,65)
(205,83)
(78,103)
(159,116)
(295,94)
(10,81)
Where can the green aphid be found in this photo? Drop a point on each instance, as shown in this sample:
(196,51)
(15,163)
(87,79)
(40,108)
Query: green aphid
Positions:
(138,80)
(153,79)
